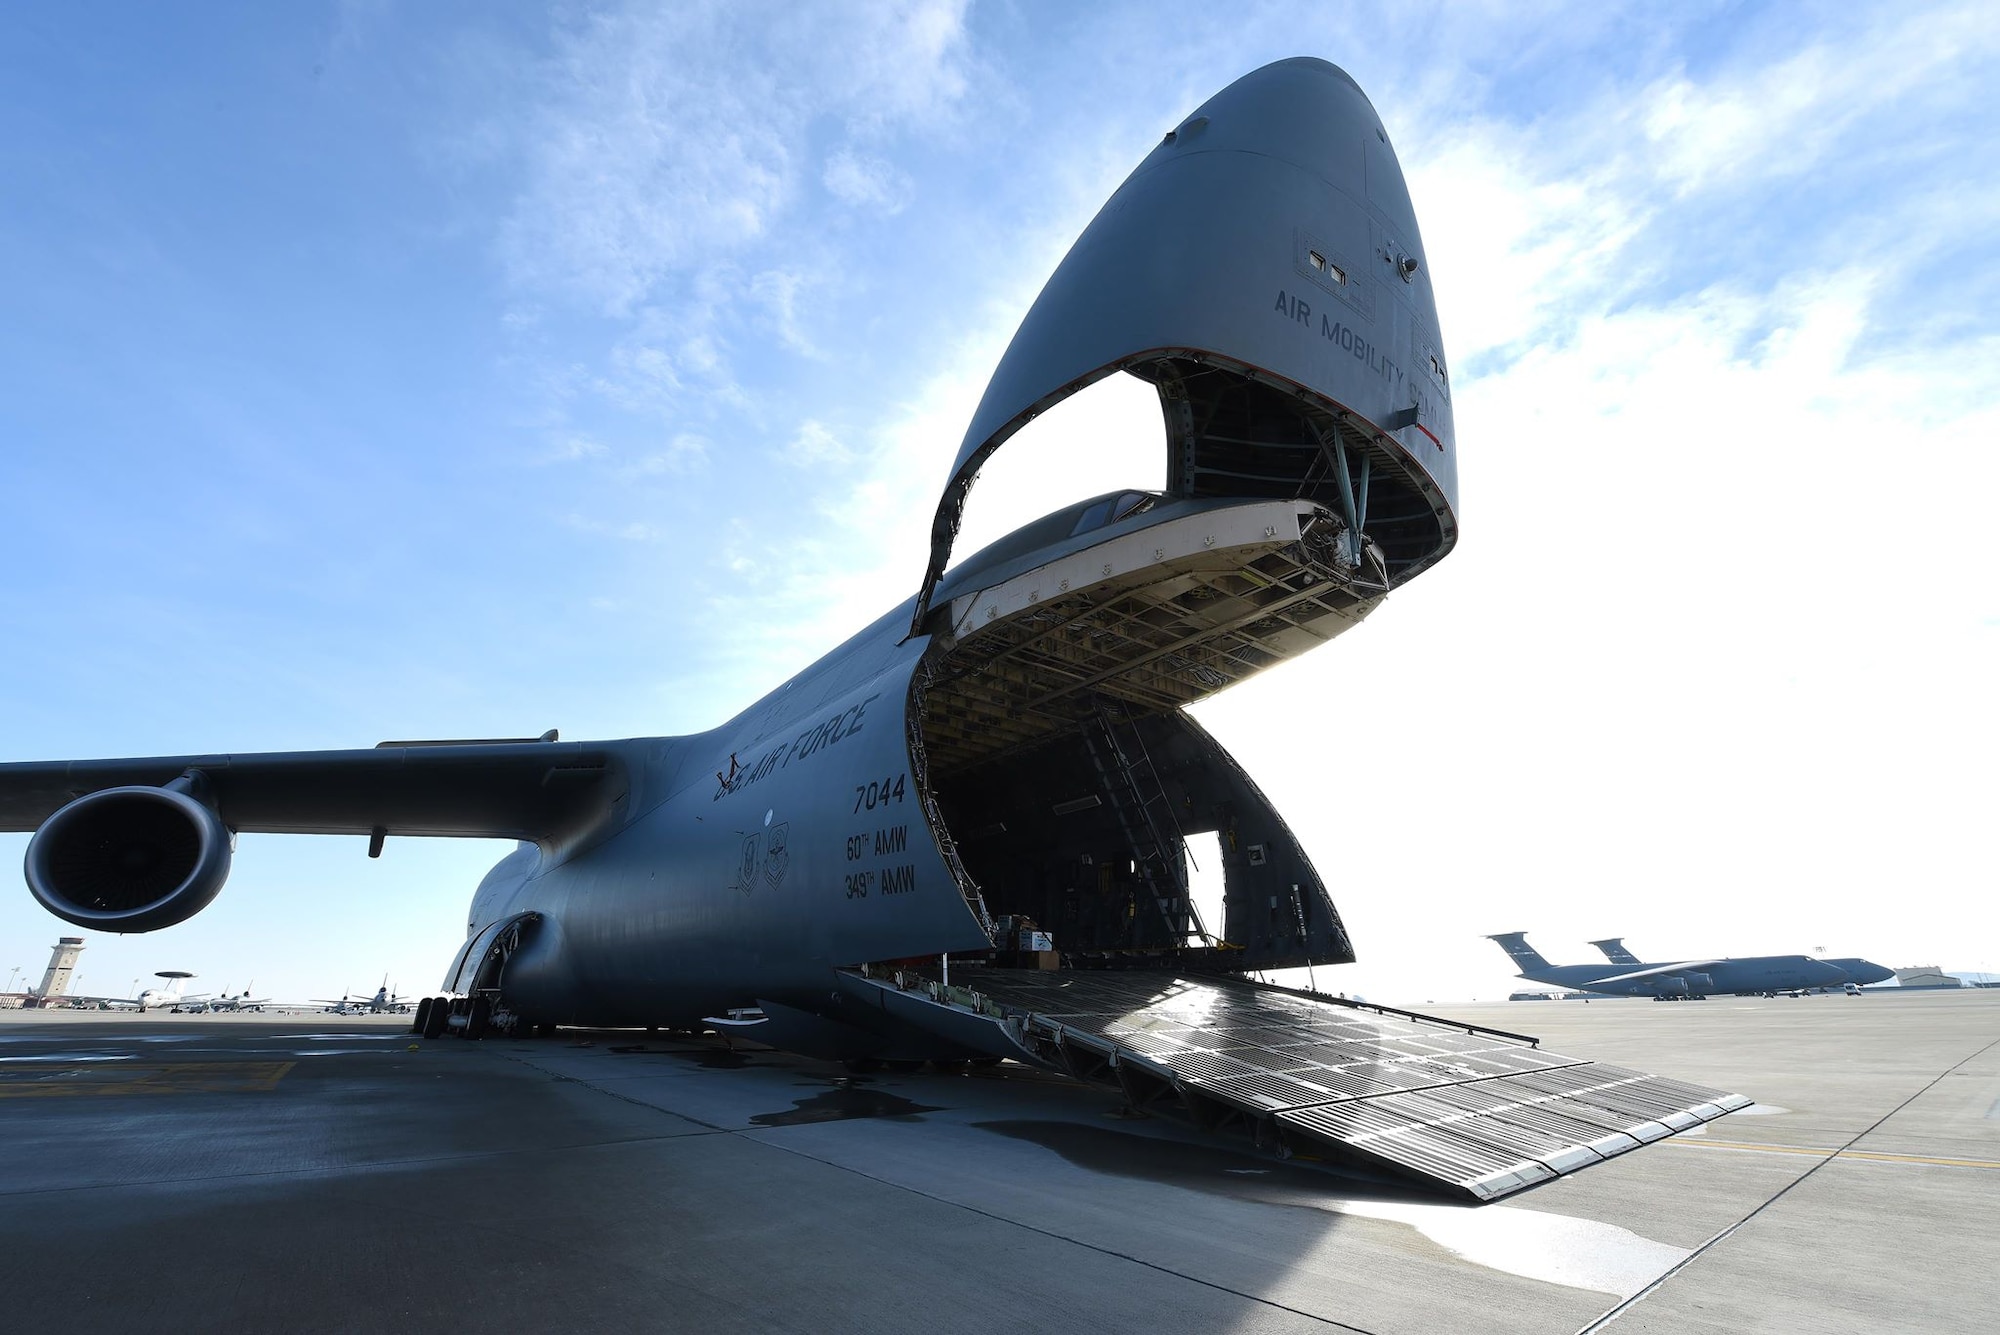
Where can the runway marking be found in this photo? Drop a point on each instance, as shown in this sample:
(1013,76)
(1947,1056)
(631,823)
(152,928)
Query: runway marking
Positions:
(67,1080)
(1918,1158)
(1834,1154)
(1723,1234)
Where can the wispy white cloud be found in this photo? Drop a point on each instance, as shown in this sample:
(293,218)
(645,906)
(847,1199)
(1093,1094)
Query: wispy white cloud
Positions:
(1790,115)
(675,198)
(780,293)
(672,355)
(622,530)
(867,182)
(1515,242)
(855,553)
(1737,171)
(663,139)
(685,452)
(573,448)
(814,445)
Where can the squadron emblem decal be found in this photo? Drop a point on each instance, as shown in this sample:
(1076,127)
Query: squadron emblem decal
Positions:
(777,859)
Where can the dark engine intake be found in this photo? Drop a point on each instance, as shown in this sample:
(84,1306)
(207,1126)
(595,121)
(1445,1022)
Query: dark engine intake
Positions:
(129,859)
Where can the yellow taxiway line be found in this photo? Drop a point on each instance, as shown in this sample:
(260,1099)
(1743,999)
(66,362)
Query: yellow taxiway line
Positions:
(44,1080)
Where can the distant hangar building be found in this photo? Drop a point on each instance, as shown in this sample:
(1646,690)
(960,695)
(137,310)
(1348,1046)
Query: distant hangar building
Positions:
(1927,975)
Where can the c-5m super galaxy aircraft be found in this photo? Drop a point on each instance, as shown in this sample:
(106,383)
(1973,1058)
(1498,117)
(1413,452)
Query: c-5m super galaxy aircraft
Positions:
(1859,972)
(961,834)
(1688,980)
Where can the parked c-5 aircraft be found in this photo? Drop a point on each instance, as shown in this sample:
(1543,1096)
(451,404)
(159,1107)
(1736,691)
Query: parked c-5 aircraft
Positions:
(961,834)
(1679,980)
(1859,972)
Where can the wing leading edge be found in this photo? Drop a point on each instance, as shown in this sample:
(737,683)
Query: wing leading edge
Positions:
(542,792)
(1657,971)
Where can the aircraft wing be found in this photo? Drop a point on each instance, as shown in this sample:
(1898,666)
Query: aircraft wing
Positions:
(1657,971)
(502,790)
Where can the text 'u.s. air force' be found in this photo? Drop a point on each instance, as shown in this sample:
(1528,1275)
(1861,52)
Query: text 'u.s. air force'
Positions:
(826,733)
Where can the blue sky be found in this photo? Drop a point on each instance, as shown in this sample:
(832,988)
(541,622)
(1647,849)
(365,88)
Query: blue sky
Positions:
(463,370)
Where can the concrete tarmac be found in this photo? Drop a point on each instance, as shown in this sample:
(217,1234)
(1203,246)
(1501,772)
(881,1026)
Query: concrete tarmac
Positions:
(325,1173)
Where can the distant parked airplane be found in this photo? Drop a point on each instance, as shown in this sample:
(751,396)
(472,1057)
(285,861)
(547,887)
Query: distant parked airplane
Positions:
(384,1001)
(169,997)
(1859,972)
(1688,980)
(242,1001)
(1614,950)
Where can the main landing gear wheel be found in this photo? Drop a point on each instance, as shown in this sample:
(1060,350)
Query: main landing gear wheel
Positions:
(423,1014)
(434,1022)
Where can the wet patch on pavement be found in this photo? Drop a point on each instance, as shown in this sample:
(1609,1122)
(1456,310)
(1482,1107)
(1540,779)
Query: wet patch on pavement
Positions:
(1535,1244)
(846,1101)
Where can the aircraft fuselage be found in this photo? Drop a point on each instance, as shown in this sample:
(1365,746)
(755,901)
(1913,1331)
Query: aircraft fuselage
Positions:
(1750,976)
(831,824)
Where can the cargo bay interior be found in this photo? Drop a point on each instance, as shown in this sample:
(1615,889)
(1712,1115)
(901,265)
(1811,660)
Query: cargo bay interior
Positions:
(1084,835)
(1052,741)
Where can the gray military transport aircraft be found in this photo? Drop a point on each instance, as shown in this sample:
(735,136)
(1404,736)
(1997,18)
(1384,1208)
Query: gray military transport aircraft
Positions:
(961,834)
(1689,980)
(1860,972)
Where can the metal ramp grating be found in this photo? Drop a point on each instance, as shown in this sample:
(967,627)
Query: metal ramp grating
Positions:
(1476,1111)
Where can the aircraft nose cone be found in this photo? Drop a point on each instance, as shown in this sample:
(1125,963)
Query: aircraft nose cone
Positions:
(1863,972)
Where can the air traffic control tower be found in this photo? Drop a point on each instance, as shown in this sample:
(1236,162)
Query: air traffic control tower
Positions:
(62,963)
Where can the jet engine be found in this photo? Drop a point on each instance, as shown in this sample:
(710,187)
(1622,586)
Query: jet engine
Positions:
(132,859)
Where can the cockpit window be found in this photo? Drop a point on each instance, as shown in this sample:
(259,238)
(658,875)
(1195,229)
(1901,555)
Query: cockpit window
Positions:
(1132,503)
(1092,518)
(1112,510)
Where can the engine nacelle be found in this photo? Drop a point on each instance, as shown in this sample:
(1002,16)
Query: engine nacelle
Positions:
(130,859)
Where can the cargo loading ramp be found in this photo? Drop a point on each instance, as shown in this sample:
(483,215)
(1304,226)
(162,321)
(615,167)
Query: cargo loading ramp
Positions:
(1477,1112)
